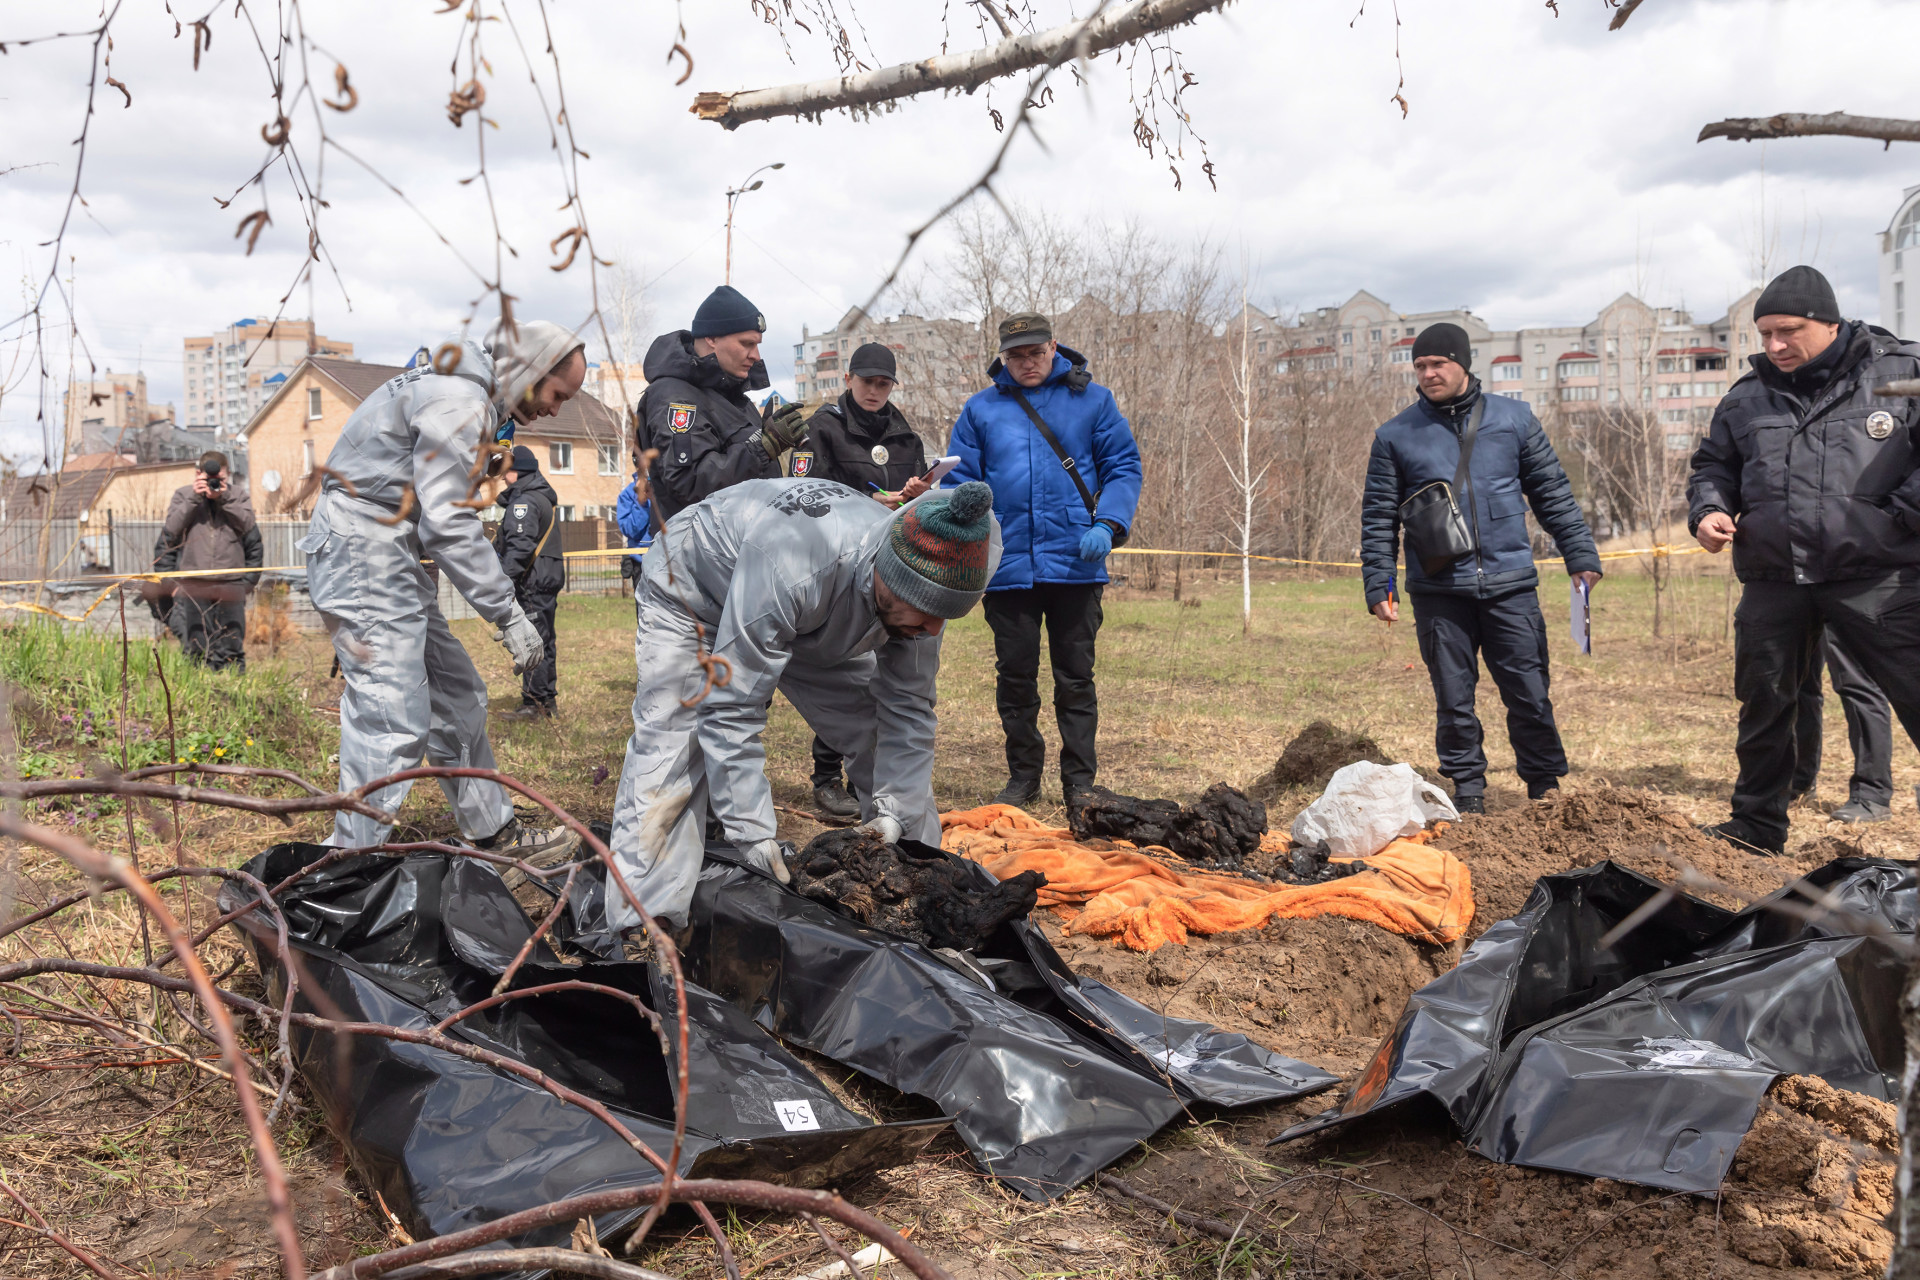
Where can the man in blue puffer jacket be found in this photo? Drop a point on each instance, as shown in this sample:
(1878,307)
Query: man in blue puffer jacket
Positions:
(1486,602)
(1063,504)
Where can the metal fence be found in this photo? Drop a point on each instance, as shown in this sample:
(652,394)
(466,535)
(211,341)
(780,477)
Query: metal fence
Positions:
(70,550)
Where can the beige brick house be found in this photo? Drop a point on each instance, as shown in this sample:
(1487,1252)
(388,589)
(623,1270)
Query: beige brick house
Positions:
(583,449)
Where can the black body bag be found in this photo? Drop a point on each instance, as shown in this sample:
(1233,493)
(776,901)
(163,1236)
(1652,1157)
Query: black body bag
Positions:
(1438,531)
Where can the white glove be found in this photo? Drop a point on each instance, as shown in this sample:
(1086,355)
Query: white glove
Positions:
(888,828)
(765,854)
(522,640)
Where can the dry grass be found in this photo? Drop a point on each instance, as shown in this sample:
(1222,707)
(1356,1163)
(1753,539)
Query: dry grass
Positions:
(149,1165)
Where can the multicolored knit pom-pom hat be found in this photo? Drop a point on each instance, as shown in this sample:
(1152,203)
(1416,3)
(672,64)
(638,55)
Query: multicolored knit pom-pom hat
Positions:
(937,551)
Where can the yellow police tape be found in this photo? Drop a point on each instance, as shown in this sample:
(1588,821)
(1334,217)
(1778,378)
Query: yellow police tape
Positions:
(115,581)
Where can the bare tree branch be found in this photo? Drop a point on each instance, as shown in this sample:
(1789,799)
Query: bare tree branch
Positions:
(1798,124)
(1620,18)
(968,71)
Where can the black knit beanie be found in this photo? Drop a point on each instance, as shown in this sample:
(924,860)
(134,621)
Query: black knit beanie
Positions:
(1799,291)
(1445,339)
(725,311)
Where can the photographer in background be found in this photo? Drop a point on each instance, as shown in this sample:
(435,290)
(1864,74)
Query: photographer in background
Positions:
(210,525)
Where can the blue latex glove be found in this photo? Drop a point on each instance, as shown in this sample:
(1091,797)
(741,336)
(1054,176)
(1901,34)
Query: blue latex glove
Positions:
(1096,542)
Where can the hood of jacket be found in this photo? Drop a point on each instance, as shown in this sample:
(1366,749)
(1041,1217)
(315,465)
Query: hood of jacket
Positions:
(524,356)
(671,356)
(1069,367)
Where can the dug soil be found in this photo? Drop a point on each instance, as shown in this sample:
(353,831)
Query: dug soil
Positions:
(1401,1196)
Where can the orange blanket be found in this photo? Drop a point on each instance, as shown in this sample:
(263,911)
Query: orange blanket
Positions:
(1143,901)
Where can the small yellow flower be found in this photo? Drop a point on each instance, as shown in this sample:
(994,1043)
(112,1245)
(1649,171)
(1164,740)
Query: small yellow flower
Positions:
(249,741)
(219,751)
(181,760)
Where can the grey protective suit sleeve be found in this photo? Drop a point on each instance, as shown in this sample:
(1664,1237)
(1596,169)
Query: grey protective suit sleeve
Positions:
(904,677)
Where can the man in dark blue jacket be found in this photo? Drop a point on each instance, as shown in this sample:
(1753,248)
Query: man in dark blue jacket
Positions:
(1066,476)
(1815,482)
(1484,603)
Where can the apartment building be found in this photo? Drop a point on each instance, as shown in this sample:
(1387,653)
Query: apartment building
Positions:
(101,411)
(1631,354)
(1901,238)
(229,375)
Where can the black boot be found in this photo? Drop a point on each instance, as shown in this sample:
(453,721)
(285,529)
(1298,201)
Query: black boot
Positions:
(1019,792)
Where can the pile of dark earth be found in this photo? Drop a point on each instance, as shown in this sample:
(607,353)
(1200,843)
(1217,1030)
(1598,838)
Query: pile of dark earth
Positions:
(1312,757)
(932,900)
(1218,830)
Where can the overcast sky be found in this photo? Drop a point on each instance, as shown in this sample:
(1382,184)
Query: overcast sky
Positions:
(1546,165)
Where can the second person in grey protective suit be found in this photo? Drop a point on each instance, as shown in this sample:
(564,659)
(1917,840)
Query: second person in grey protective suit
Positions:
(396,492)
(806,587)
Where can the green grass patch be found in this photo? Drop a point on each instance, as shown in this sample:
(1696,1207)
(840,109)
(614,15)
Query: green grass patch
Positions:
(76,685)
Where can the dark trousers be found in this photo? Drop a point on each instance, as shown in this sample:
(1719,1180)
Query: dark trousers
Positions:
(1455,632)
(1776,640)
(212,626)
(826,764)
(539,684)
(1869,726)
(1071,614)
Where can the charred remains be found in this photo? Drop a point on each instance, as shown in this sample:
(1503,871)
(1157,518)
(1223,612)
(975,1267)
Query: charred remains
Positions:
(1218,830)
(933,901)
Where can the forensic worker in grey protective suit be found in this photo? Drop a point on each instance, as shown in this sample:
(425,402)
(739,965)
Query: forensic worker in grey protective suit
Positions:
(810,588)
(393,494)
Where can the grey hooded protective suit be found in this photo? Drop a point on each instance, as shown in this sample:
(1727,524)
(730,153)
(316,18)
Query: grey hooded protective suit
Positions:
(780,573)
(411,689)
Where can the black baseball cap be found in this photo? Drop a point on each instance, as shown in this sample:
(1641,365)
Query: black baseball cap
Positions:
(872,360)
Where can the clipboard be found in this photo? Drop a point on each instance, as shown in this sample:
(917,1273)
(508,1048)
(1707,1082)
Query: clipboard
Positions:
(938,471)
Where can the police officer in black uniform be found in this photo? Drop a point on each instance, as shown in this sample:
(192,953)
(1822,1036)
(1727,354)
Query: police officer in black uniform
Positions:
(1814,481)
(862,440)
(530,555)
(695,409)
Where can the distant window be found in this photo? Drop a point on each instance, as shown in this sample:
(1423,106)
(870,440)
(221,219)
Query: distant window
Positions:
(1404,355)
(306,457)
(1507,372)
(1346,337)
(1540,374)
(609,459)
(565,510)
(313,403)
(560,460)
(1679,440)
(1375,335)
(1579,368)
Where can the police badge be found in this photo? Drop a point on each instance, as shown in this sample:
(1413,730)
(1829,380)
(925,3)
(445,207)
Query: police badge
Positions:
(680,418)
(1880,424)
(519,511)
(802,463)
(880,455)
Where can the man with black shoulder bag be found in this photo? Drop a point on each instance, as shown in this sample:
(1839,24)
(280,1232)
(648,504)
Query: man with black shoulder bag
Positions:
(1455,473)
(1065,473)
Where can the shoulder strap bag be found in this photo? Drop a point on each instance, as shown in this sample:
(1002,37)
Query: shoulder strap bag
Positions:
(1438,531)
(1067,463)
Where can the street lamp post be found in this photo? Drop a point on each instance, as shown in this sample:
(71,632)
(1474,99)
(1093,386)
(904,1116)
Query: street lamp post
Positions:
(733,197)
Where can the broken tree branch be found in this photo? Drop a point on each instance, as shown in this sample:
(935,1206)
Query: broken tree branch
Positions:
(968,71)
(1798,124)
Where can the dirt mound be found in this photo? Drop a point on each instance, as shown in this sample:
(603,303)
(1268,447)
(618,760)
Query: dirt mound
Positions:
(1507,852)
(936,902)
(1324,989)
(1218,830)
(1313,756)
(1821,1163)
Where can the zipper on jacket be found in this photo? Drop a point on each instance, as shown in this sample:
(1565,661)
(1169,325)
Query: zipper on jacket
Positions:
(1473,508)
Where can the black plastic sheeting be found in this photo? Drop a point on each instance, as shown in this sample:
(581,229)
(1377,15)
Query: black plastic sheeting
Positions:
(449,1143)
(1647,1061)
(1049,1076)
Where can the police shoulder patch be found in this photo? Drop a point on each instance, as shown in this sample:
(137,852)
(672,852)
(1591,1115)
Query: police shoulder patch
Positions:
(519,511)
(802,462)
(680,417)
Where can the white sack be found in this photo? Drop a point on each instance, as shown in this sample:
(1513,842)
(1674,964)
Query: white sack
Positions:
(1367,805)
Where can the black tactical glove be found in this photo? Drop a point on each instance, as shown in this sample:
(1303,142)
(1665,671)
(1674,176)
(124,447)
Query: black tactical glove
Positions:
(784,429)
